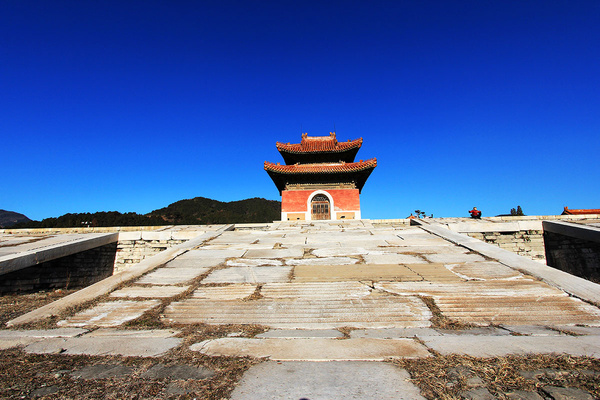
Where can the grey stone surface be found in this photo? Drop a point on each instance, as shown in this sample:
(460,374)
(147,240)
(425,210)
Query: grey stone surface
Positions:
(157,291)
(138,333)
(9,338)
(567,393)
(454,258)
(219,254)
(523,395)
(313,349)
(129,345)
(42,333)
(249,275)
(324,381)
(102,371)
(487,330)
(494,346)
(323,261)
(393,258)
(339,251)
(252,262)
(177,371)
(532,330)
(479,393)
(171,276)
(44,391)
(112,313)
(581,330)
(304,313)
(228,292)
(274,253)
(301,333)
(393,333)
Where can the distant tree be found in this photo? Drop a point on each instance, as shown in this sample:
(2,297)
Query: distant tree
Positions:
(517,212)
(420,214)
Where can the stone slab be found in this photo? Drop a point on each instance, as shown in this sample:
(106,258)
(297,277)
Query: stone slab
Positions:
(496,346)
(393,258)
(358,272)
(128,345)
(315,290)
(454,258)
(211,254)
(566,393)
(581,330)
(393,333)
(157,291)
(339,251)
(301,333)
(229,292)
(177,371)
(113,313)
(10,338)
(313,349)
(252,262)
(532,330)
(483,271)
(323,261)
(304,313)
(249,275)
(138,333)
(195,262)
(274,253)
(173,276)
(320,381)
(102,371)
(42,333)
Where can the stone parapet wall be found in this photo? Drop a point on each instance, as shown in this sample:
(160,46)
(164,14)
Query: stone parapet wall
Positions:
(71,272)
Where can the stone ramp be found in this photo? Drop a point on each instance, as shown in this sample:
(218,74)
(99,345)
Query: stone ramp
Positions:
(376,312)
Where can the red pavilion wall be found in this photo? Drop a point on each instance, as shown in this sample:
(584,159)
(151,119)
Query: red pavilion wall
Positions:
(343,199)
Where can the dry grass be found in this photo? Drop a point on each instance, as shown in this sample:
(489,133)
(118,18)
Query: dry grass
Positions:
(438,319)
(15,305)
(436,378)
(22,373)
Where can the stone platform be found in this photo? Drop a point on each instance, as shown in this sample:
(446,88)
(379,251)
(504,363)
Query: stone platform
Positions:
(330,291)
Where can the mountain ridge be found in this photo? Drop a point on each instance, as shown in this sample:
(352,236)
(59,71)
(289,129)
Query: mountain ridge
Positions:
(10,218)
(196,211)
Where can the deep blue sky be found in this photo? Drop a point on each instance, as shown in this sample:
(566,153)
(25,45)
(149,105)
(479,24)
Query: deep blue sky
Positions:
(131,105)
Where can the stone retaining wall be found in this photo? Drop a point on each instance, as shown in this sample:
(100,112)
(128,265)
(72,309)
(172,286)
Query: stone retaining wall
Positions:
(529,244)
(133,247)
(573,248)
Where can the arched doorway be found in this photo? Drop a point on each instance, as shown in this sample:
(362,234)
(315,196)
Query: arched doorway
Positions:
(320,207)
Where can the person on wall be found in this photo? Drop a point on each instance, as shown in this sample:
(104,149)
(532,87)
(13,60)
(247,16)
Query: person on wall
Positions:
(475,213)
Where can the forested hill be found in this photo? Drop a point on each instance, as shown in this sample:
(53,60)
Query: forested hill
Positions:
(202,211)
(196,211)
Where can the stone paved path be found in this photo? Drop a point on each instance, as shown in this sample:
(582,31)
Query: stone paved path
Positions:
(387,293)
